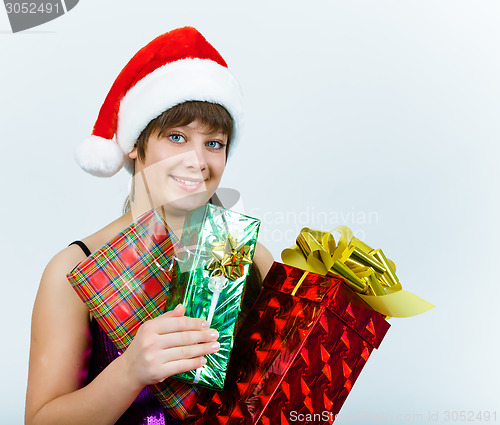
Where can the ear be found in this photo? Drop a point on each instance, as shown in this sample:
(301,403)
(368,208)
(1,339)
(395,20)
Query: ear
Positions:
(133,153)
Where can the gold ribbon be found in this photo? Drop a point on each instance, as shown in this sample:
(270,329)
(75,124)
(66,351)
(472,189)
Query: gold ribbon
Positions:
(366,271)
(299,283)
(229,258)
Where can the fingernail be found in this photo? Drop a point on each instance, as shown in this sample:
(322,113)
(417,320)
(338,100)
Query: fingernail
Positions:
(203,361)
(215,345)
(204,324)
(214,334)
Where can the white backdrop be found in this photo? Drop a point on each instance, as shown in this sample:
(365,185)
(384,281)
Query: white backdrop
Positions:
(381,115)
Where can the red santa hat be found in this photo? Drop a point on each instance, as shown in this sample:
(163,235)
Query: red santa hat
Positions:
(175,67)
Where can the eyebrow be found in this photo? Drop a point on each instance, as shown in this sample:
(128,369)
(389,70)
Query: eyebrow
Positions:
(209,132)
(206,133)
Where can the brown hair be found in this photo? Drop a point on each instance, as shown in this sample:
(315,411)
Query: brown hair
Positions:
(214,116)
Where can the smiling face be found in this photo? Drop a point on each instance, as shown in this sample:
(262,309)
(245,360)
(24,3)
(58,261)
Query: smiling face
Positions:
(182,166)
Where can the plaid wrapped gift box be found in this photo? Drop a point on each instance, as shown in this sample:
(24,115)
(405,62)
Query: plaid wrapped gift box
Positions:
(129,281)
(297,353)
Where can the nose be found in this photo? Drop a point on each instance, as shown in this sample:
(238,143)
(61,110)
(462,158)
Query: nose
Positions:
(195,159)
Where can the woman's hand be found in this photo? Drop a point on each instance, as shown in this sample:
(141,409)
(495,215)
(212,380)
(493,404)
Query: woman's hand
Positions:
(169,344)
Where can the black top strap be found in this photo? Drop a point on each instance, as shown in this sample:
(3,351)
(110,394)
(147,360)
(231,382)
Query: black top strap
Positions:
(82,246)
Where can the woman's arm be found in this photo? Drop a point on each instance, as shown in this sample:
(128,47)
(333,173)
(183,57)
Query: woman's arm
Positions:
(61,344)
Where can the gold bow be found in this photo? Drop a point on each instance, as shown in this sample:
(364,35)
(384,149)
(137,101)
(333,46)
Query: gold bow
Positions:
(229,258)
(366,271)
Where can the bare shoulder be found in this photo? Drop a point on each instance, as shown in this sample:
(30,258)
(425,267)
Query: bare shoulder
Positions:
(54,275)
(65,260)
(263,259)
(54,285)
(54,282)
(56,299)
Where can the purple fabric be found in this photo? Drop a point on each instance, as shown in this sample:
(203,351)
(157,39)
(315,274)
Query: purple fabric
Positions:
(146,409)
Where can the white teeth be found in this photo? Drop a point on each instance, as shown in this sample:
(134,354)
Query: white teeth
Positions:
(187,182)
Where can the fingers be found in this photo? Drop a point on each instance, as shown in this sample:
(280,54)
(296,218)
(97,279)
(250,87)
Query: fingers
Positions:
(173,343)
(182,339)
(175,321)
(179,310)
(183,365)
(188,352)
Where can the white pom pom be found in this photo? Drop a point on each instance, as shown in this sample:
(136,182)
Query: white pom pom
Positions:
(99,156)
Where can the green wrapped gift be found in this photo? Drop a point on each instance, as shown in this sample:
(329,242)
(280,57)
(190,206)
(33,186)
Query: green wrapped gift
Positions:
(213,264)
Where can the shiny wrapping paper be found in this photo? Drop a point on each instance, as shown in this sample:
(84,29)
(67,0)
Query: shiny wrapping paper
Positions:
(219,246)
(300,352)
(128,281)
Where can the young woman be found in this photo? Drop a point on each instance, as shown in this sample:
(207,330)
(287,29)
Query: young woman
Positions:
(174,110)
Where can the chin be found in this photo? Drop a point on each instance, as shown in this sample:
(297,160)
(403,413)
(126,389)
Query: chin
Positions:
(189,203)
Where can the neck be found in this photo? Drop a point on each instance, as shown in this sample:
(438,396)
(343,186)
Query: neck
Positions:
(175,221)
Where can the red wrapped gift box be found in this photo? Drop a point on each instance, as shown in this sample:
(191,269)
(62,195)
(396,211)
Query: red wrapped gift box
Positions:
(295,356)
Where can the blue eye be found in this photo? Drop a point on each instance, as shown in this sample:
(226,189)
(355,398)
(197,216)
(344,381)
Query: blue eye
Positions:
(176,138)
(215,144)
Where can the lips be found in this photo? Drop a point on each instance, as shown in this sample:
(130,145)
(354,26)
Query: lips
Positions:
(187,183)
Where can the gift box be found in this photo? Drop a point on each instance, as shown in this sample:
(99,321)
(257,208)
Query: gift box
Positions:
(298,353)
(129,281)
(218,248)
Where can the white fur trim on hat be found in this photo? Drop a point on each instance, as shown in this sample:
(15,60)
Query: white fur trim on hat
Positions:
(99,157)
